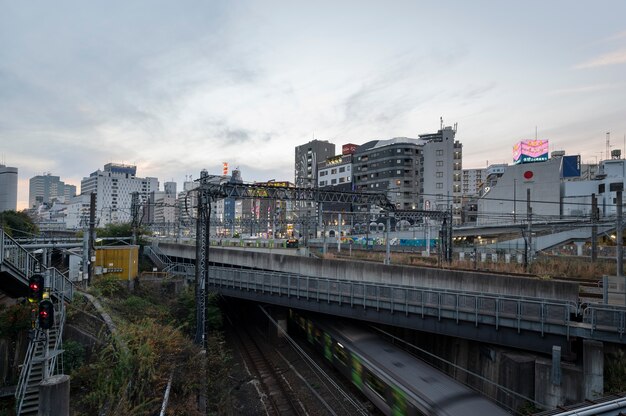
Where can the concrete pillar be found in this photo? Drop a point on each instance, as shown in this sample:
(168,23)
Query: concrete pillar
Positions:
(579,247)
(54,396)
(546,393)
(507,258)
(593,369)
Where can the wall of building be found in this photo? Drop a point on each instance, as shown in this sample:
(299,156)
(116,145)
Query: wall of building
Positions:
(8,188)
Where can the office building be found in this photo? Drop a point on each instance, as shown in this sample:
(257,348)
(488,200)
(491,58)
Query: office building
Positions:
(47,188)
(307,157)
(8,188)
(114,187)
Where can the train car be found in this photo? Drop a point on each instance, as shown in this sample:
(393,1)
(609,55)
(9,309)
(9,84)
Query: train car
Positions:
(394,380)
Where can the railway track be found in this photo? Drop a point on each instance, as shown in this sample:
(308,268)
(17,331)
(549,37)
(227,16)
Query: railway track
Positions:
(279,397)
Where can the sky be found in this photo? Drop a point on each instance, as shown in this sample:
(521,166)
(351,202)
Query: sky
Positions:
(179,86)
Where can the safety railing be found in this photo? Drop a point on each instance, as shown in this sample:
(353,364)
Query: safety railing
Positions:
(604,317)
(25,265)
(552,316)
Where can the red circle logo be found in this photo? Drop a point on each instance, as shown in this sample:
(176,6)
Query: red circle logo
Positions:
(528,174)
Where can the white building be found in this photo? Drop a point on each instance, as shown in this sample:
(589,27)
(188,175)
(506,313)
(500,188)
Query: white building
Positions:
(114,187)
(8,188)
(442,164)
(472,181)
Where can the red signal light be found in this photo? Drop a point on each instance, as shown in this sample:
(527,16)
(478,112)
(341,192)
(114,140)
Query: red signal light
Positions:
(35,288)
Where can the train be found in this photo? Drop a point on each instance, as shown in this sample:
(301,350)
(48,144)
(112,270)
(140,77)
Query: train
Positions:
(396,382)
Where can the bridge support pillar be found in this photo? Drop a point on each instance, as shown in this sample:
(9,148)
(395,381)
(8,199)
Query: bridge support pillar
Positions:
(579,247)
(277,329)
(54,396)
(593,369)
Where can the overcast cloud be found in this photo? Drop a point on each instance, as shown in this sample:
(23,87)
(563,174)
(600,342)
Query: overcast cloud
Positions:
(176,87)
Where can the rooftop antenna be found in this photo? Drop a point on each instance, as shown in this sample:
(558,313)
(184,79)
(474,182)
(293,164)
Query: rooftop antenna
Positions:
(608,144)
(441,123)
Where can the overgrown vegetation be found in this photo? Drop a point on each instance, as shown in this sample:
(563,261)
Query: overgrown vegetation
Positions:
(14,319)
(155,328)
(546,267)
(615,372)
(17,224)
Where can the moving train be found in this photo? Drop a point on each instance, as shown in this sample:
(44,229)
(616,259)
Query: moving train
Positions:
(395,381)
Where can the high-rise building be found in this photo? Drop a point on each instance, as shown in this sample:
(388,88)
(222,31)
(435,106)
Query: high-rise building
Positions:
(472,181)
(46,188)
(114,187)
(308,156)
(443,164)
(422,173)
(8,188)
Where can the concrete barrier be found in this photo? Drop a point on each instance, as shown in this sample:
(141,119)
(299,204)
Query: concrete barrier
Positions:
(379,273)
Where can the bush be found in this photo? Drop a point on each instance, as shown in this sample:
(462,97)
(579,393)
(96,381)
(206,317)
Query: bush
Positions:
(109,286)
(73,356)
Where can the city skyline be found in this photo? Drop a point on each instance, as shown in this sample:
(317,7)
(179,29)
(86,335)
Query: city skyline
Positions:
(163,86)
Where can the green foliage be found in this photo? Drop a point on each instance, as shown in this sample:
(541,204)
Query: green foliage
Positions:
(14,319)
(184,311)
(109,286)
(615,372)
(73,356)
(135,308)
(18,224)
(115,230)
(132,381)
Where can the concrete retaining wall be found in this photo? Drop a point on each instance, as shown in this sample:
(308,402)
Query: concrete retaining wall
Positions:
(377,272)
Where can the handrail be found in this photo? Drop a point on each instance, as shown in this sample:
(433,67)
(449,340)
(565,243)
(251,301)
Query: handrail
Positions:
(25,263)
(561,317)
(20,392)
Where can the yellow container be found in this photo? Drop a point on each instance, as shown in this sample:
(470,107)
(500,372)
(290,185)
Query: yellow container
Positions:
(121,262)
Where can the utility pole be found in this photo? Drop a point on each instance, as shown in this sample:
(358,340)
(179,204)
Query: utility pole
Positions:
(594,228)
(134,210)
(92,236)
(339,236)
(529,218)
(449,252)
(387,242)
(619,235)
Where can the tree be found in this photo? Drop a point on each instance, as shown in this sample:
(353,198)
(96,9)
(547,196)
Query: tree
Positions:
(18,224)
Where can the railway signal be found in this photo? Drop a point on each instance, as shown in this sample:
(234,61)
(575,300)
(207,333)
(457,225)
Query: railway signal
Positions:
(35,288)
(46,314)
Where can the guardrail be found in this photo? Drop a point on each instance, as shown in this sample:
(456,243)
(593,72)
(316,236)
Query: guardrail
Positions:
(565,318)
(25,265)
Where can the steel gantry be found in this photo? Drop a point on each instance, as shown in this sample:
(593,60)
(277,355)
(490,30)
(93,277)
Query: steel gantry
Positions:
(211,188)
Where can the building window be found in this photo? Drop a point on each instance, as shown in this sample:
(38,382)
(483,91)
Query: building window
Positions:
(439,163)
(342,179)
(348,168)
(399,161)
(439,174)
(333,181)
(439,185)
(439,196)
(439,152)
(333,171)
(342,169)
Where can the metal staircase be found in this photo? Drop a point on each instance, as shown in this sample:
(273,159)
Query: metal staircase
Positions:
(163,262)
(43,357)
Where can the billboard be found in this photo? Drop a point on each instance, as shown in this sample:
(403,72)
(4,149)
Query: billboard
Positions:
(348,149)
(528,151)
(571,166)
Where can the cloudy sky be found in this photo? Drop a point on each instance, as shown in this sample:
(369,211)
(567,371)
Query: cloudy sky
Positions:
(177,86)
